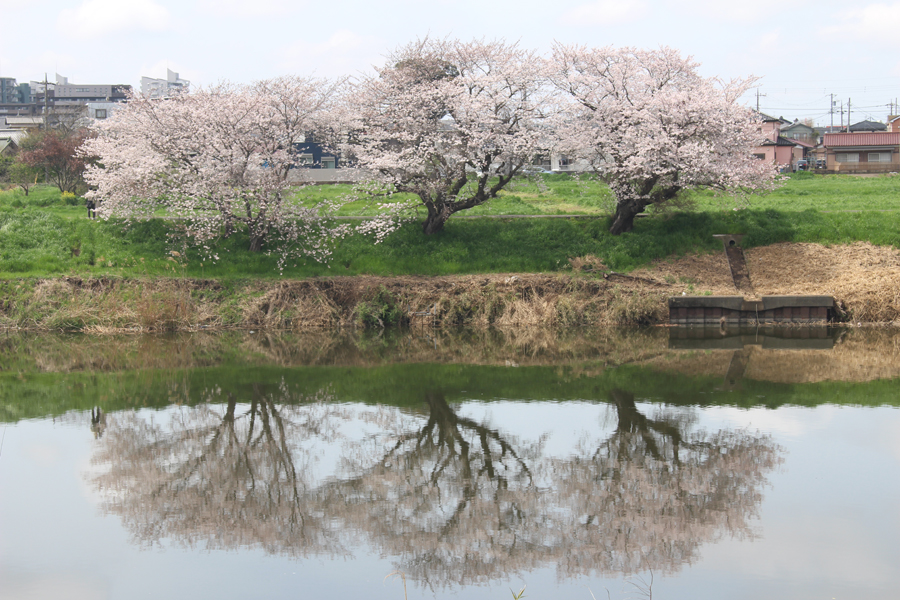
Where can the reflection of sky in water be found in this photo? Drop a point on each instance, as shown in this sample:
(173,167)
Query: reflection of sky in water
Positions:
(829,522)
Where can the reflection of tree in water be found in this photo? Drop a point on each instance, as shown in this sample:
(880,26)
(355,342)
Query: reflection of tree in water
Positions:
(649,495)
(454,499)
(448,498)
(221,475)
(457,503)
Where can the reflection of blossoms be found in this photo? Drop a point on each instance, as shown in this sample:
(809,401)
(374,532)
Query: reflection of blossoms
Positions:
(455,500)
(222,475)
(458,504)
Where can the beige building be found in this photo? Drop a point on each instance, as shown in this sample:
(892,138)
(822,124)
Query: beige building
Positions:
(872,152)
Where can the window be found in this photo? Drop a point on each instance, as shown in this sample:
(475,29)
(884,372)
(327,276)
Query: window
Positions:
(327,163)
(847,157)
(100,113)
(541,160)
(306,159)
(884,157)
(760,156)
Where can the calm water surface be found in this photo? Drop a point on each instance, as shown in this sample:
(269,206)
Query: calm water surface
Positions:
(592,464)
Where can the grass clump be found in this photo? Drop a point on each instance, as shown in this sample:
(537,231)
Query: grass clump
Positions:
(382,310)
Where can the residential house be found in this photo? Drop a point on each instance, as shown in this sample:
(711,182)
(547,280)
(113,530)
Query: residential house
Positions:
(10,140)
(798,131)
(869,152)
(7,146)
(776,148)
(315,164)
(24,123)
(867,126)
(893,124)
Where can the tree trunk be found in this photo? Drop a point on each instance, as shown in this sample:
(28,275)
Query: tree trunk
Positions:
(437,216)
(625,214)
(256,242)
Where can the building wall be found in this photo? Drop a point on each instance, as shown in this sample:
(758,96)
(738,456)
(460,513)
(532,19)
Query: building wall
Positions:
(770,129)
(160,88)
(9,91)
(784,154)
(863,164)
(79,93)
(313,156)
(779,155)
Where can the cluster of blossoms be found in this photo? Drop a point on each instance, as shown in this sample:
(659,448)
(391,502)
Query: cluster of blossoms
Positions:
(217,160)
(651,126)
(449,122)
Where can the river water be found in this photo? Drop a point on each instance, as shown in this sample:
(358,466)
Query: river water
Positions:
(421,464)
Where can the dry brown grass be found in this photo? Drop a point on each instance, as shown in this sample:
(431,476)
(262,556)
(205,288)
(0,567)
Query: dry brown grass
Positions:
(475,300)
(864,279)
(102,305)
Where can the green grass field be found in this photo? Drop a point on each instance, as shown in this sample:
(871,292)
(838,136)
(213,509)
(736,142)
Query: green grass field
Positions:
(46,234)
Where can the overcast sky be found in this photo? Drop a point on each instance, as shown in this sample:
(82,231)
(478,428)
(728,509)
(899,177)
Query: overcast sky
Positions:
(803,51)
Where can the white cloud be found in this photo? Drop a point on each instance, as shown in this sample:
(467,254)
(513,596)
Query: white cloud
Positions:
(605,12)
(742,12)
(12,5)
(876,23)
(99,17)
(339,55)
(248,8)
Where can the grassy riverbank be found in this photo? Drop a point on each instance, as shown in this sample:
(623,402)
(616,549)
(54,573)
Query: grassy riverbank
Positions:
(45,235)
(59,270)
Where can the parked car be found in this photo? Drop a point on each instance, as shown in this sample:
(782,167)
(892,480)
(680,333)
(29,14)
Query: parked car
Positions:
(820,163)
(535,170)
(801,165)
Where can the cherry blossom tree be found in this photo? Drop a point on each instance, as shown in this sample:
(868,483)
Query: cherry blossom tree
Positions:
(651,126)
(451,122)
(219,160)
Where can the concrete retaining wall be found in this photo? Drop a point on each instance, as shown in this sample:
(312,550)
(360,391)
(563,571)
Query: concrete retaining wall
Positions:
(734,310)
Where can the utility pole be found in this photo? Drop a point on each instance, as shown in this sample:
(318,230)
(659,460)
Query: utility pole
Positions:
(46,100)
(757,99)
(831,110)
(848,115)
